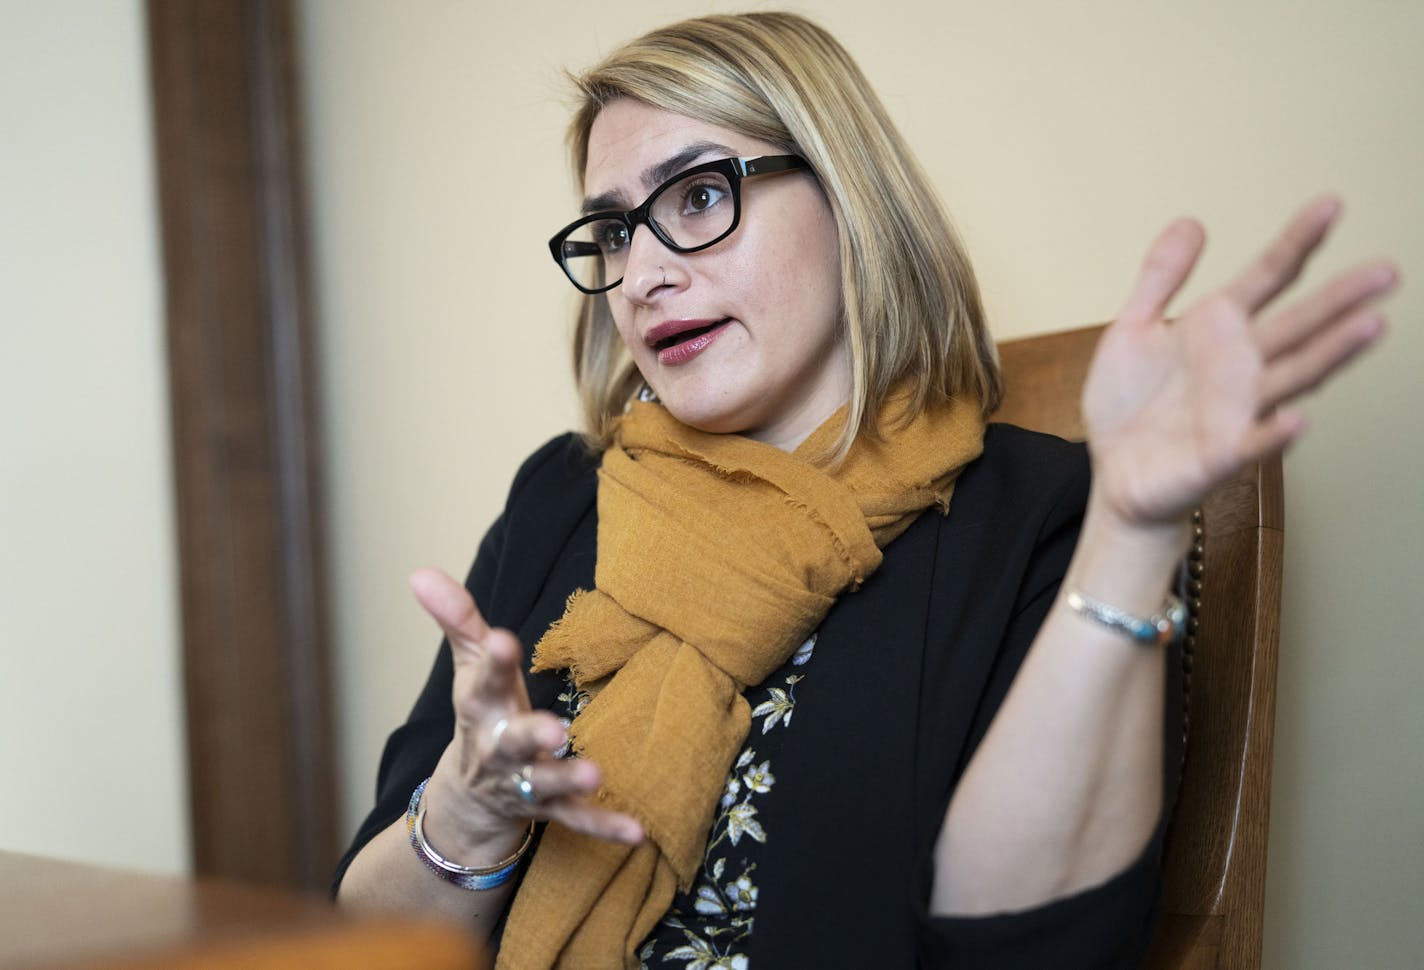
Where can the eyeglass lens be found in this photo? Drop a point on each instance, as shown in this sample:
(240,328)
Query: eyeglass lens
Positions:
(689,213)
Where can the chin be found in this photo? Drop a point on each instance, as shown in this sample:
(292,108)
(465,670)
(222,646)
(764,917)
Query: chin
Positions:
(709,417)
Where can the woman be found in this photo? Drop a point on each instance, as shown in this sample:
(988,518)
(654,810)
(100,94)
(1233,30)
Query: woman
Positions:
(792,506)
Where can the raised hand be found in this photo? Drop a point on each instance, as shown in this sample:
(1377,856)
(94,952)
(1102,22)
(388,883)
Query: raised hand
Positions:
(1173,408)
(475,810)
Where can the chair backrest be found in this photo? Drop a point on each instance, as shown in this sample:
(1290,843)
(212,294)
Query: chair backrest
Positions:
(1215,877)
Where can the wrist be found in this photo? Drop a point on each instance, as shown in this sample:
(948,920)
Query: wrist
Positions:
(1127,563)
(474,878)
(460,827)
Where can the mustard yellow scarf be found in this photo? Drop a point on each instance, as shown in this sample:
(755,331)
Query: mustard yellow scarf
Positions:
(717,557)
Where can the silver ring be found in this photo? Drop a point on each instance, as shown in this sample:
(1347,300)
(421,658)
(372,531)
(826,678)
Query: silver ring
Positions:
(563,749)
(500,727)
(524,784)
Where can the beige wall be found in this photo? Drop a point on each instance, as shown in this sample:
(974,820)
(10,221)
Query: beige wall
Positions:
(1063,136)
(91,744)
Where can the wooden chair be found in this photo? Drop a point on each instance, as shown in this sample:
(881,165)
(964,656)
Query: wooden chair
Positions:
(1215,876)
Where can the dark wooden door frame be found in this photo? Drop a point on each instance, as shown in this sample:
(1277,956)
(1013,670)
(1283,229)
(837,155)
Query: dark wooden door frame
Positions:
(240,341)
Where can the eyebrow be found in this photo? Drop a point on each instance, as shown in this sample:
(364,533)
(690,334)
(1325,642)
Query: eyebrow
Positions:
(656,175)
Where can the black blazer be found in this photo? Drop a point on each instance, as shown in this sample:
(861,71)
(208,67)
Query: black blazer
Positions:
(909,671)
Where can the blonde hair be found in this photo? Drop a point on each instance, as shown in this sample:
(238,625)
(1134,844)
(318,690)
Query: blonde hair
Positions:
(909,298)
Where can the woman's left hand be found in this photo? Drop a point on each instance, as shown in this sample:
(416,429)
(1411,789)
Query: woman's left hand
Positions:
(1173,408)
(1065,788)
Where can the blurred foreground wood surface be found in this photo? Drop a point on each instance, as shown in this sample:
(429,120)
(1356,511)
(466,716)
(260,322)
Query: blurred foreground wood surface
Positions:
(57,914)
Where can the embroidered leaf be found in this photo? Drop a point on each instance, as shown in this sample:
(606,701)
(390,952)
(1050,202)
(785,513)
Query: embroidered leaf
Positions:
(775,709)
(708,902)
(741,821)
(699,955)
(803,652)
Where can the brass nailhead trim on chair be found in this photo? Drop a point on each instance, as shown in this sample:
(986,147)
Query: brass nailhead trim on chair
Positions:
(1196,566)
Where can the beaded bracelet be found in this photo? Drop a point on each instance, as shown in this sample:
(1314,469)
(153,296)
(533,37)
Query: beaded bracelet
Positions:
(1161,628)
(466,877)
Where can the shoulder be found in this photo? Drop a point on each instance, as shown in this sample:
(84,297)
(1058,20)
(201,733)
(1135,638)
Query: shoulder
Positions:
(1011,528)
(551,499)
(1022,476)
(553,491)
(1019,452)
(561,463)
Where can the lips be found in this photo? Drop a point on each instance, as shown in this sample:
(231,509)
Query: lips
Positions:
(670,332)
(678,341)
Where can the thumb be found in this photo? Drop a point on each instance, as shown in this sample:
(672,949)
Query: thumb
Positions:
(1168,263)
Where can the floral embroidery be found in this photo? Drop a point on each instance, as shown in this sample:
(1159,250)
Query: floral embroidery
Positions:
(740,821)
(711,927)
(779,706)
(573,699)
(759,778)
(742,894)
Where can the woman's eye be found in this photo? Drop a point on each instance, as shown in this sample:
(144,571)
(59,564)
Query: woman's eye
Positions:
(702,196)
(611,236)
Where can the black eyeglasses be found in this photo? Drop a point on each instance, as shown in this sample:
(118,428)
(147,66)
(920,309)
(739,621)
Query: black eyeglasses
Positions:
(690,211)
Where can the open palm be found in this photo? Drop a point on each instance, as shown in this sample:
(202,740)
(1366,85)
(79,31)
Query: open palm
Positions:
(1174,407)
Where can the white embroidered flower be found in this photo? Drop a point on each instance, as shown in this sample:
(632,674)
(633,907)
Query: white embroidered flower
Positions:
(742,894)
(741,821)
(759,779)
(734,961)
(734,788)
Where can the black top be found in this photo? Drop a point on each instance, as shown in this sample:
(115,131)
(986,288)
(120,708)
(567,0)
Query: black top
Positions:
(906,676)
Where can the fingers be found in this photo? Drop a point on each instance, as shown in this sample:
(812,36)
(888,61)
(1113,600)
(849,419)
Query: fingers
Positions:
(495,655)
(496,674)
(562,793)
(506,756)
(552,780)
(1168,263)
(528,782)
(1272,434)
(1307,366)
(582,816)
(521,738)
(1282,261)
(1343,296)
